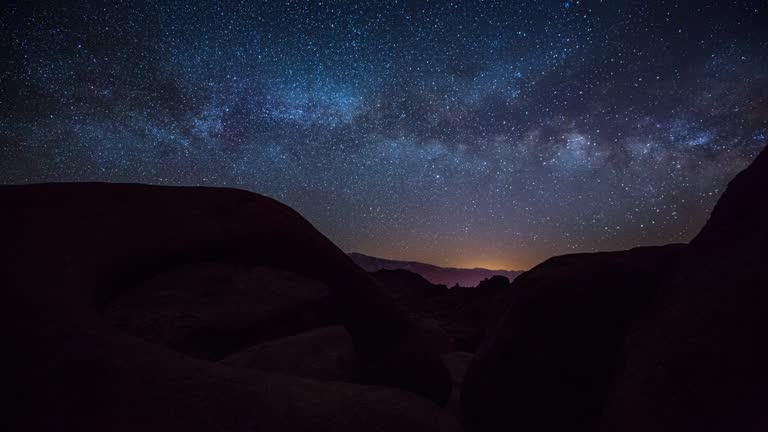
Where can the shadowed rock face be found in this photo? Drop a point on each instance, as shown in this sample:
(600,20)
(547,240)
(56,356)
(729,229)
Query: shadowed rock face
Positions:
(666,338)
(72,252)
(549,364)
(210,310)
(698,360)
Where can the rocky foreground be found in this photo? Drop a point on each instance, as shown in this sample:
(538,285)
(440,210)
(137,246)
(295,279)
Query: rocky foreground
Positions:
(132,307)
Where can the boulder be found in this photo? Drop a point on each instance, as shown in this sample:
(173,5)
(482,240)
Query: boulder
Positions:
(72,251)
(549,363)
(648,339)
(325,354)
(697,362)
(86,376)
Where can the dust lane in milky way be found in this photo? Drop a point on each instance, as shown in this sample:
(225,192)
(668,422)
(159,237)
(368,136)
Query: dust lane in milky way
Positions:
(478,133)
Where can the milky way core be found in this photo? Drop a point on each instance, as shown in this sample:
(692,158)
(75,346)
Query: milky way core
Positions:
(477,133)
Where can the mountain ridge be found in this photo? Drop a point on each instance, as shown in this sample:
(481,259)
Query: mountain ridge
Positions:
(449,276)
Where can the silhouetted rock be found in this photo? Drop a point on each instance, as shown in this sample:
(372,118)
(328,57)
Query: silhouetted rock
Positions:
(325,353)
(663,338)
(494,283)
(698,361)
(447,276)
(463,313)
(467,313)
(460,314)
(549,364)
(407,288)
(70,251)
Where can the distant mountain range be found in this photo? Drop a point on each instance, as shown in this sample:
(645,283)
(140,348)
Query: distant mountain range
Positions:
(438,275)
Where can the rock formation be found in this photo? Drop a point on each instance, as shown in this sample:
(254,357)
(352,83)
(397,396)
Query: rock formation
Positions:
(74,255)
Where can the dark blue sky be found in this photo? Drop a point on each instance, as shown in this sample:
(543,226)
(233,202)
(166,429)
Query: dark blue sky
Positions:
(478,133)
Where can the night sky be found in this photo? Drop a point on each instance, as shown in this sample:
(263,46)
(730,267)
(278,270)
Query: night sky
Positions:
(477,133)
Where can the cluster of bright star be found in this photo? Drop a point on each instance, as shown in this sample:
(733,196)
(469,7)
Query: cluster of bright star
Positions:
(489,133)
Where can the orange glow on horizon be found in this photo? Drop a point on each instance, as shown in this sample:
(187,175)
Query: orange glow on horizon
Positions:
(469,263)
(486,264)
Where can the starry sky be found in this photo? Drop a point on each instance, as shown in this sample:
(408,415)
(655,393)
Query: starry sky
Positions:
(475,133)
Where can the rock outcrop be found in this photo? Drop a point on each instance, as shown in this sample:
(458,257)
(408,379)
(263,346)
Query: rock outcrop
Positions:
(697,362)
(466,314)
(74,254)
(662,338)
(549,364)
(461,314)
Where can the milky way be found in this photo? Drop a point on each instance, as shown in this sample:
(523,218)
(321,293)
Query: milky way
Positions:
(486,133)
